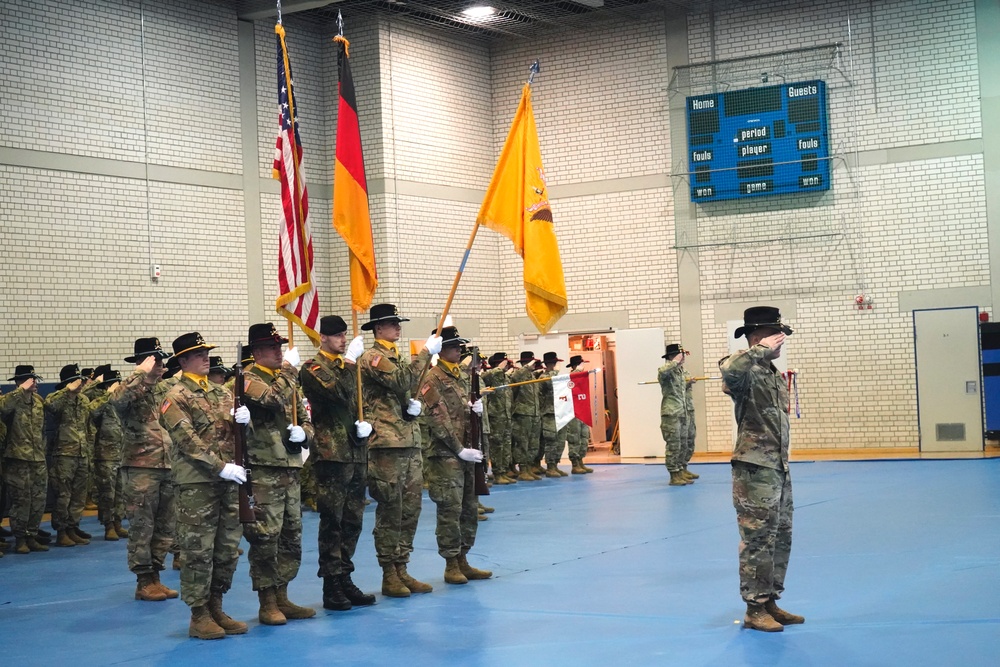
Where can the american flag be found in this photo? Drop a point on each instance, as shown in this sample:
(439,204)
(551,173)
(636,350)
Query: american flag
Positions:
(298,300)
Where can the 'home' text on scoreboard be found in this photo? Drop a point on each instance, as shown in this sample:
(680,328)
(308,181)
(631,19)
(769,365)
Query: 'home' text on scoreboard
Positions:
(759,141)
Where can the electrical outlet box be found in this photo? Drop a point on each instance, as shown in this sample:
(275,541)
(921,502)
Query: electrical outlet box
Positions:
(154,271)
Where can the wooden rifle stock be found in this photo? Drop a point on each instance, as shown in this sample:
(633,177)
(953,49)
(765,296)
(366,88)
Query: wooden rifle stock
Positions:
(240,449)
(474,435)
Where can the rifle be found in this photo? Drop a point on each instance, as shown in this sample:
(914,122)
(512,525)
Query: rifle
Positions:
(247,502)
(474,434)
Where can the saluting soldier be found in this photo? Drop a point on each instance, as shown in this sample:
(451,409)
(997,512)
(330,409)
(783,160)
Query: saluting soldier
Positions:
(762,483)
(71,455)
(450,463)
(498,409)
(147,485)
(553,440)
(672,414)
(340,460)
(199,418)
(526,422)
(107,451)
(280,429)
(395,478)
(24,459)
(577,432)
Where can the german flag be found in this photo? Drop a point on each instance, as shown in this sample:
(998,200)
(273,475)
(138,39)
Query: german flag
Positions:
(351,218)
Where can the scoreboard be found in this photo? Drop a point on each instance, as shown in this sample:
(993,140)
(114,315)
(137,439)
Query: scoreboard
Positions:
(759,141)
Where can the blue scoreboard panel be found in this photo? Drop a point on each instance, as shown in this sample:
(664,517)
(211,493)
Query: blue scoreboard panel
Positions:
(759,141)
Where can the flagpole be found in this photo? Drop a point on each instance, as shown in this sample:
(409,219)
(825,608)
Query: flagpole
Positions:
(357,366)
(519,384)
(295,403)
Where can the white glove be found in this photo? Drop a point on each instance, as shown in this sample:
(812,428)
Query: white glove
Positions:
(433,344)
(241,414)
(291,355)
(413,409)
(234,473)
(363,429)
(296,433)
(477,407)
(470,455)
(355,349)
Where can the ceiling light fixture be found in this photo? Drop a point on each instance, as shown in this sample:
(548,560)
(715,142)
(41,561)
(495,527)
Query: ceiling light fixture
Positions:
(478,12)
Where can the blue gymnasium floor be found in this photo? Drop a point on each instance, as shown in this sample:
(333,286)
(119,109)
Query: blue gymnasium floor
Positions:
(894,563)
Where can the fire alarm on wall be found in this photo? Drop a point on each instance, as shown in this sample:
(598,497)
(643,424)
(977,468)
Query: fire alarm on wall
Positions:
(155,271)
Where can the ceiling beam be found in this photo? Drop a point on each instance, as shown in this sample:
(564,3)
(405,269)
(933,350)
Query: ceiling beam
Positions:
(256,9)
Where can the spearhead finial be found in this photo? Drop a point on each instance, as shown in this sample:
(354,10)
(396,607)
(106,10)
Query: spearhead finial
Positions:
(340,24)
(534,69)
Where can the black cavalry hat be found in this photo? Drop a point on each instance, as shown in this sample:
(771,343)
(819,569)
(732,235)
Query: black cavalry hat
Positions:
(331,325)
(190,342)
(382,312)
(67,374)
(576,360)
(672,349)
(526,357)
(449,336)
(22,372)
(89,373)
(760,317)
(550,357)
(264,333)
(110,377)
(173,367)
(496,358)
(246,356)
(215,364)
(145,347)
(103,369)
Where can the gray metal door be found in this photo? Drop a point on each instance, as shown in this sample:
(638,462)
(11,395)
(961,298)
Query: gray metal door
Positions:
(949,399)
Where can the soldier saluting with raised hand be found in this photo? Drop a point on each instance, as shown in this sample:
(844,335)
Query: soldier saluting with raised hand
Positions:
(71,455)
(199,417)
(395,478)
(147,484)
(762,484)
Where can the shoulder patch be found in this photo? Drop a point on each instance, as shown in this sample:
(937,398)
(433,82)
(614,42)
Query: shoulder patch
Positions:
(165,407)
(376,359)
(171,415)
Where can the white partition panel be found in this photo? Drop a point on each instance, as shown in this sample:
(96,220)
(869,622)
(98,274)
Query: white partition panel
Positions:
(638,354)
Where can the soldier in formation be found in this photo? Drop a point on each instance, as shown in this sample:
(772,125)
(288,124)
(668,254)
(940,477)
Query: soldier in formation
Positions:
(552,439)
(525,420)
(108,443)
(577,432)
(24,471)
(672,413)
(71,455)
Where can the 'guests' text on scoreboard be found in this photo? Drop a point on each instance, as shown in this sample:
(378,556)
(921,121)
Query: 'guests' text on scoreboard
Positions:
(758,141)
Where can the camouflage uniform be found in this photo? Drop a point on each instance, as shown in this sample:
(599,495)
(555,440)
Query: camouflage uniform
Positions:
(71,456)
(762,485)
(498,411)
(340,460)
(107,455)
(395,478)
(147,484)
(526,424)
(553,440)
(24,460)
(451,481)
(276,537)
(689,426)
(577,434)
(672,415)
(196,415)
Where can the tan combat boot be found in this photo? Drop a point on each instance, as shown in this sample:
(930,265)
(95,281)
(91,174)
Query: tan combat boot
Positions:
(472,572)
(502,479)
(577,468)
(689,474)
(757,618)
(677,479)
(21,546)
(269,613)
(75,535)
(453,572)
(64,540)
(411,583)
(552,470)
(169,592)
(228,624)
(782,616)
(391,585)
(122,533)
(585,468)
(109,532)
(35,545)
(291,610)
(202,626)
(525,475)
(146,589)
